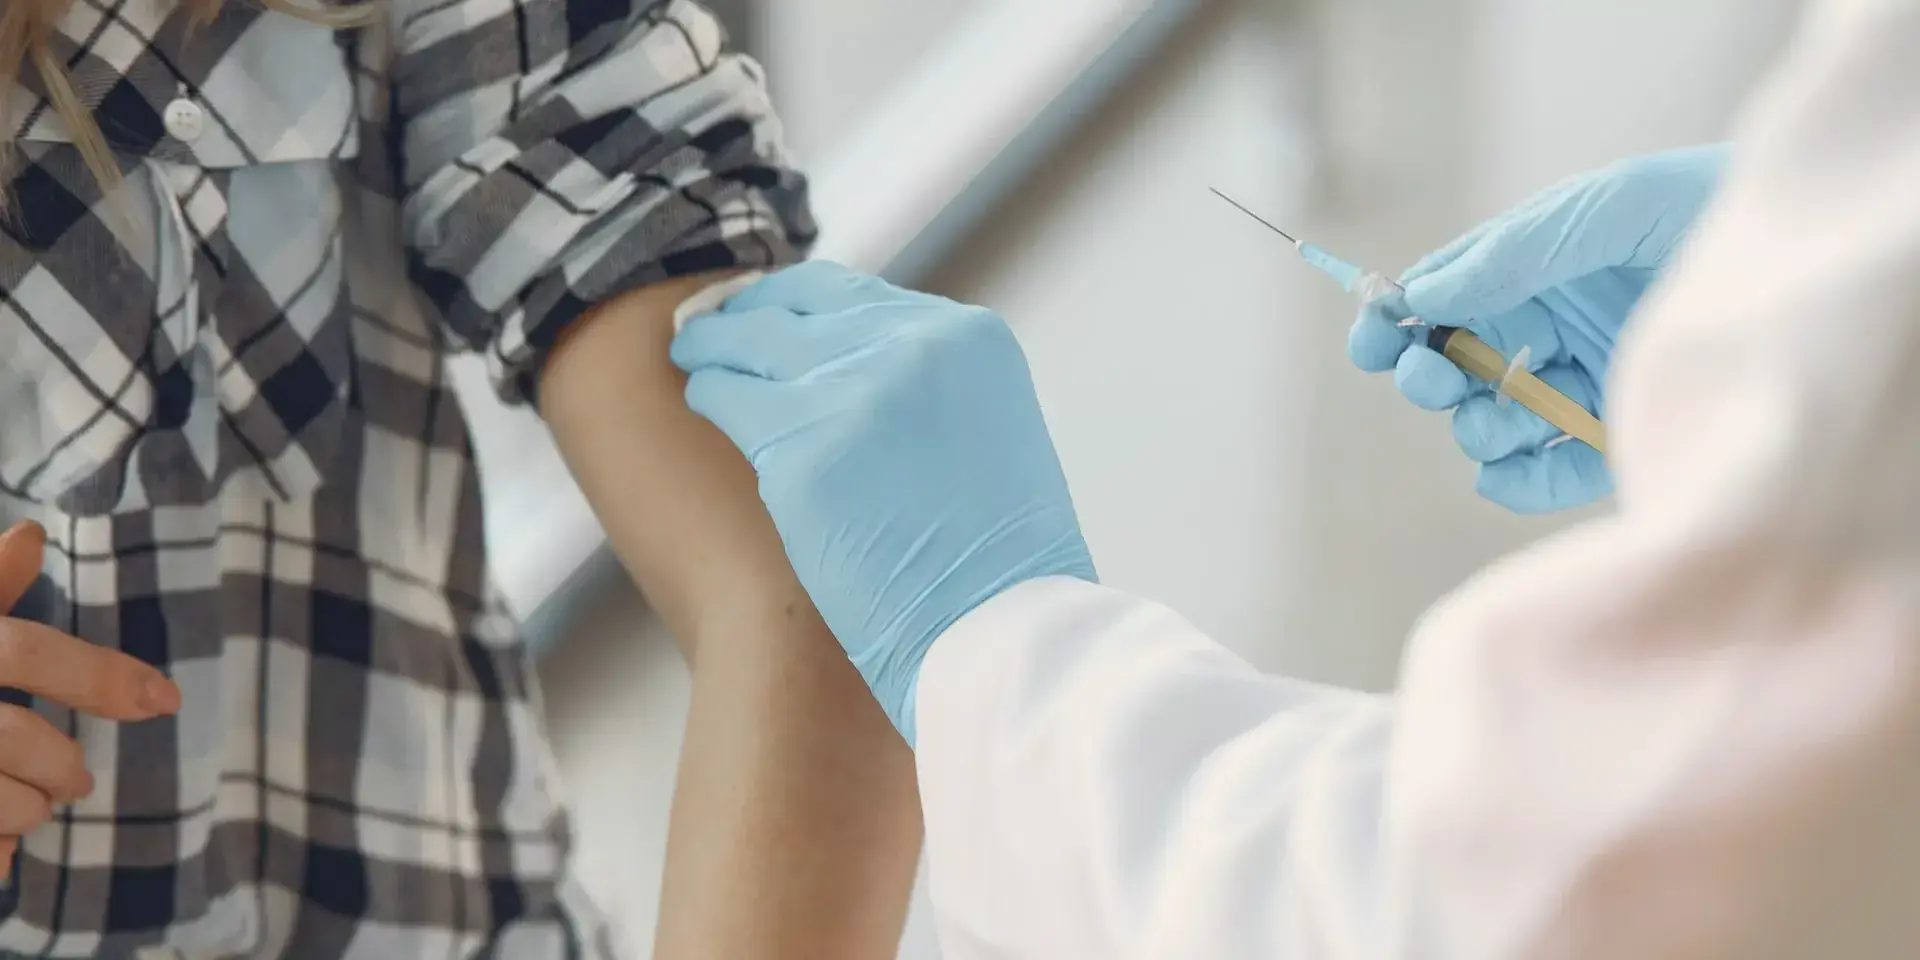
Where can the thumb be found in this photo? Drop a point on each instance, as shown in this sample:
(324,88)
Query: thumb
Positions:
(21,548)
(1520,254)
(1630,214)
(769,343)
(753,413)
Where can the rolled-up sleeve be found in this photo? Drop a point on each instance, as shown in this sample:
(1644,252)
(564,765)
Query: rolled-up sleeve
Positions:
(556,153)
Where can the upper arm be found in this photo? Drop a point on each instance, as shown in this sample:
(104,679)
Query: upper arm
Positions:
(557,153)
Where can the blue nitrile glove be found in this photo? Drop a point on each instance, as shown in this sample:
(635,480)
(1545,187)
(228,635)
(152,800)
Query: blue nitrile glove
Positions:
(1559,274)
(900,450)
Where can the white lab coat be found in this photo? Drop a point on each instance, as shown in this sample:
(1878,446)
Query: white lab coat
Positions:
(1688,730)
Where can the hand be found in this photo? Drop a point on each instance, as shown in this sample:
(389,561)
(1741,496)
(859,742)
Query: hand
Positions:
(900,451)
(39,766)
(1558,274)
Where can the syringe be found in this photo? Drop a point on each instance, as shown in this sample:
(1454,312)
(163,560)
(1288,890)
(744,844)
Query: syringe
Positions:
(1509,378)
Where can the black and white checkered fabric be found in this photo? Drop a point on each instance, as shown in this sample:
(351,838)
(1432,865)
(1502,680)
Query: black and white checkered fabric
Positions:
(222,392)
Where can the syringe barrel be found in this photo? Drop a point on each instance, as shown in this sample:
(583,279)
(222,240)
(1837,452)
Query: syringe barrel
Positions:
(1477,358)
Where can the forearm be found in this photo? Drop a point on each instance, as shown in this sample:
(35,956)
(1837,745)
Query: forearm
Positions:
(795,826)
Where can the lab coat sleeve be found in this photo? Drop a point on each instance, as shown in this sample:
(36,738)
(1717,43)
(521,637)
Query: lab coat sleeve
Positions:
(1100,780)
(1693,729)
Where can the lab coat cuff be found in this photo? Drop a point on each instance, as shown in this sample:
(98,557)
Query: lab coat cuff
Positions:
(968,666)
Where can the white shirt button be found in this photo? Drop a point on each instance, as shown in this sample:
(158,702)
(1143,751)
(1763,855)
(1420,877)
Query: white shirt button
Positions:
(185,119)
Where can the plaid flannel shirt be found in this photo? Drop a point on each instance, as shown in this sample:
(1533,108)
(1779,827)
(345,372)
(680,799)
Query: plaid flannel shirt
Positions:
(222,392)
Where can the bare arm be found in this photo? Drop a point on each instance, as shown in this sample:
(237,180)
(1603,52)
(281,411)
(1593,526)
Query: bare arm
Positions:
(795,827)
(556,153)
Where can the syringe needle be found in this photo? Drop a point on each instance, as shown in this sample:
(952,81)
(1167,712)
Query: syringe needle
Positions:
(1263,220)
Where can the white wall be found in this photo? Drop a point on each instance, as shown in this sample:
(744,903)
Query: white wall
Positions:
(825,58)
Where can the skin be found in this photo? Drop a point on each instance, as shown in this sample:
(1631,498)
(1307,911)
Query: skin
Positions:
(40,767)
(795,828)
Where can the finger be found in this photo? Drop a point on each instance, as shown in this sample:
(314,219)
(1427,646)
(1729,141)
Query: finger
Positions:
(21,549)
(1430,380)
(752,412)
(33,752)
(91,679)
(1459,245)
(772,343)
(9,846)
(1488,430)
(820,286)
(1523,252)
(21,807)
(1562,477)
(1376,340)
(1446,254)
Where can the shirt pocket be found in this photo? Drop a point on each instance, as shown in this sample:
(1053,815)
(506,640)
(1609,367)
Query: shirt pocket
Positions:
(154,348)
(252,87)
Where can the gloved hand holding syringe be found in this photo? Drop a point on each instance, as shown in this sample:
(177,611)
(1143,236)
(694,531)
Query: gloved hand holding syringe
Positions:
(1509,376)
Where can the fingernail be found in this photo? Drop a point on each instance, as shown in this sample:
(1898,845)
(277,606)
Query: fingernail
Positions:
(159,696)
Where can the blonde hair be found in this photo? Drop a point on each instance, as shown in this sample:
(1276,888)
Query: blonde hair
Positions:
(27,28)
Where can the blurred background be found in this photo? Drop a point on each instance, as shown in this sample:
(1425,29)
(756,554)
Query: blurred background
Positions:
(1052,160)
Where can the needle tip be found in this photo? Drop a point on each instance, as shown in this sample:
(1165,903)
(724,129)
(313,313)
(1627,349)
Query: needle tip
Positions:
(1263,220)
